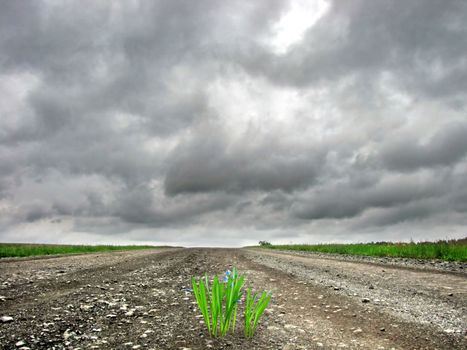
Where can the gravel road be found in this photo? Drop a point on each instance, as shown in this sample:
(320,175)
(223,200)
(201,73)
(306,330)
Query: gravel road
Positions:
(139,300)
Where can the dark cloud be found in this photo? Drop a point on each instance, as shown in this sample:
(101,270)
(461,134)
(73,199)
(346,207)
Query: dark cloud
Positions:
(413,212)
(422,42)
(447,146)
(345,200)
(208,163)
(181,122)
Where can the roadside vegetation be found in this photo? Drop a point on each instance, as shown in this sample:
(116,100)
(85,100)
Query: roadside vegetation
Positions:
(22,250)
(450,250)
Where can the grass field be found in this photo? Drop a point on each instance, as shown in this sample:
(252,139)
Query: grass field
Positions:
(453,250)
(18,250)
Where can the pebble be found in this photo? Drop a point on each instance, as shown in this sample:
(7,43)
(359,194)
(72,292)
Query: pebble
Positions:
(6,319)
(20,343)
(130,313)
(358,331)
(67,334)
(365,300)
(290,326)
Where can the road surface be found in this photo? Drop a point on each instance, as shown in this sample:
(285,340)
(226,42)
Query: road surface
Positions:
(139,300)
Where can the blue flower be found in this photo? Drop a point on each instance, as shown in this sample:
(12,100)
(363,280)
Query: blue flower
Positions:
(227,275)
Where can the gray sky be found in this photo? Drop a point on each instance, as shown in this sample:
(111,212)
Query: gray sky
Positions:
(227,122)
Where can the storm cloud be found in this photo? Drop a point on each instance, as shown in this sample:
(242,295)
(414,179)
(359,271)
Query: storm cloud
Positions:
(223,123)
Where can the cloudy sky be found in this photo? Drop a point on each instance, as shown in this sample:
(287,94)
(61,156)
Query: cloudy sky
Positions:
(227,122)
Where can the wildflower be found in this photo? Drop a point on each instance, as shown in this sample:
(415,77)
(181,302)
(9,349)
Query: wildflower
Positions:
(227,275)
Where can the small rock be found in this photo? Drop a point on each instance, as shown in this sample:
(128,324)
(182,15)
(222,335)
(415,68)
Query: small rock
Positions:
(6,319)
(20,343)
(67,334)
(382,329)
(130,313)
(358,331)
(365,300)
(290,326)
(86,307)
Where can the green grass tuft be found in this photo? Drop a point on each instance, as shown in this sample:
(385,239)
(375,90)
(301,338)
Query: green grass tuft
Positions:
(218,303)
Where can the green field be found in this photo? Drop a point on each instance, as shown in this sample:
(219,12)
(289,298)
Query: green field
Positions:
(452,250)
(18,250)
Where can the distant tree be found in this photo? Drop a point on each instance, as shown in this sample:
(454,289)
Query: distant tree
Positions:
(265,243)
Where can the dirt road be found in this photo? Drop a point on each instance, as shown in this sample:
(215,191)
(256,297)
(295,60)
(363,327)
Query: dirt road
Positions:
(139,300)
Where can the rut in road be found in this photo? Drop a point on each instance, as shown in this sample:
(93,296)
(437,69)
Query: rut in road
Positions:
(139,301)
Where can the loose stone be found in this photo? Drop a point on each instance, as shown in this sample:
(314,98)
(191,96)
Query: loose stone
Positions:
(6,319)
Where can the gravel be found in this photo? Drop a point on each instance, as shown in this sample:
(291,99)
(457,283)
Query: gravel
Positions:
(422,264)
(440,303)
(142,300)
